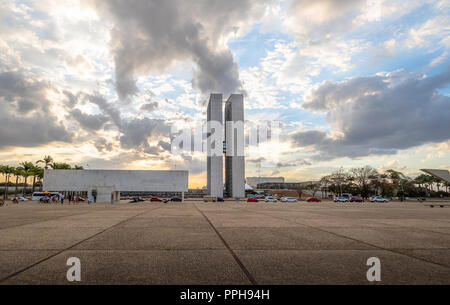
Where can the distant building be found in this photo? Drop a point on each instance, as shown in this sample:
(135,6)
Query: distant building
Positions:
(214,159)
(284,185)
(442,174)
(254,181)
(233,145)
(106,185)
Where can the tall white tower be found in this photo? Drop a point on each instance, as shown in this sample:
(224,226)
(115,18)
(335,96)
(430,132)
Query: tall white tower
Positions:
(215,146)
(235,144)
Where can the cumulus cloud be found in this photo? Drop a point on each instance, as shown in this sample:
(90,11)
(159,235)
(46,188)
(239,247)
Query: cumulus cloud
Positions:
(89,121)
(322,17)
(134,132)
(26,117)
(378,115)
(150,106)
(149,36)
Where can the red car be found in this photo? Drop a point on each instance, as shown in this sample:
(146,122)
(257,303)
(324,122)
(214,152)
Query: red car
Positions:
(153,199)
(252,200)
(312,199)
(356,199)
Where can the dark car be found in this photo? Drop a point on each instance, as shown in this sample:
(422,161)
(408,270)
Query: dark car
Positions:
(356,199)
(45,199)
(175,199)
(220,199)
(313,199)
(136,199)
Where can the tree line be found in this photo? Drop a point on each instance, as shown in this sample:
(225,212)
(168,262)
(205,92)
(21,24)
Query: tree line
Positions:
(367,181)
(28,170)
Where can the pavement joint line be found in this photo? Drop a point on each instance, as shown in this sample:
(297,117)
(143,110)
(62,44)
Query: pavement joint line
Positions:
(357,240)
(374,221)
(54,218)
(233,254)
(72,246)
(95,209)
(381,222)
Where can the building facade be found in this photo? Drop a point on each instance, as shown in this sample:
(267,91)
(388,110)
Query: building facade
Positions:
(235,147)
(214,139)
(106,185)
(254,181)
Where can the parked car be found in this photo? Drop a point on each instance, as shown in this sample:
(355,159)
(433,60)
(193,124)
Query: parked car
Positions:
(22,199)
(289,199)
(313,199)
(45,199)
(252,200)
(136,199)
(356,199)
(340,199)
(175,199)
(155,199)
(378,199)
(260,196)
(271,199)
(220,199)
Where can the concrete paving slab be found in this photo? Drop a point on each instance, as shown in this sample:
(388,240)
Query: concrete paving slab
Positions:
(286,238)
(396,238)
(158,238)
(437,256)
(167,222)
(14,261)
(236,219)
(185,267)
(20,238)
(339,267)
(417,223)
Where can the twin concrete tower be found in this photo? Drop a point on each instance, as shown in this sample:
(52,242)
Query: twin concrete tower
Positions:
(232,148)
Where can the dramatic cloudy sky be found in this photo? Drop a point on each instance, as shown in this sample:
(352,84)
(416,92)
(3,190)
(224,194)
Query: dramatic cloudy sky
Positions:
(100,83)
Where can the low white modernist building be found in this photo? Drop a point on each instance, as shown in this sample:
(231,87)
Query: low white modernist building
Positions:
(106,185)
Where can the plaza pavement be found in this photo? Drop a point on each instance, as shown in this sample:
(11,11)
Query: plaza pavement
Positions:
(225,243)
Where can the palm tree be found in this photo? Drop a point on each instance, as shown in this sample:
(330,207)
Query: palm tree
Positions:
(78,167)
(40,176)
(47,160)
(27,171)
(7,171)
(18,172)
(56,165)
(34,172)
(3,172)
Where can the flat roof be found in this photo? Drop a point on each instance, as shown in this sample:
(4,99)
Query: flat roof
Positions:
(121,180)
(438,173)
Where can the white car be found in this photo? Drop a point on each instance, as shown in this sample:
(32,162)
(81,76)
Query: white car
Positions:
(271,199)
(20,199)
(289,199)
(340,199)
(378,199)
